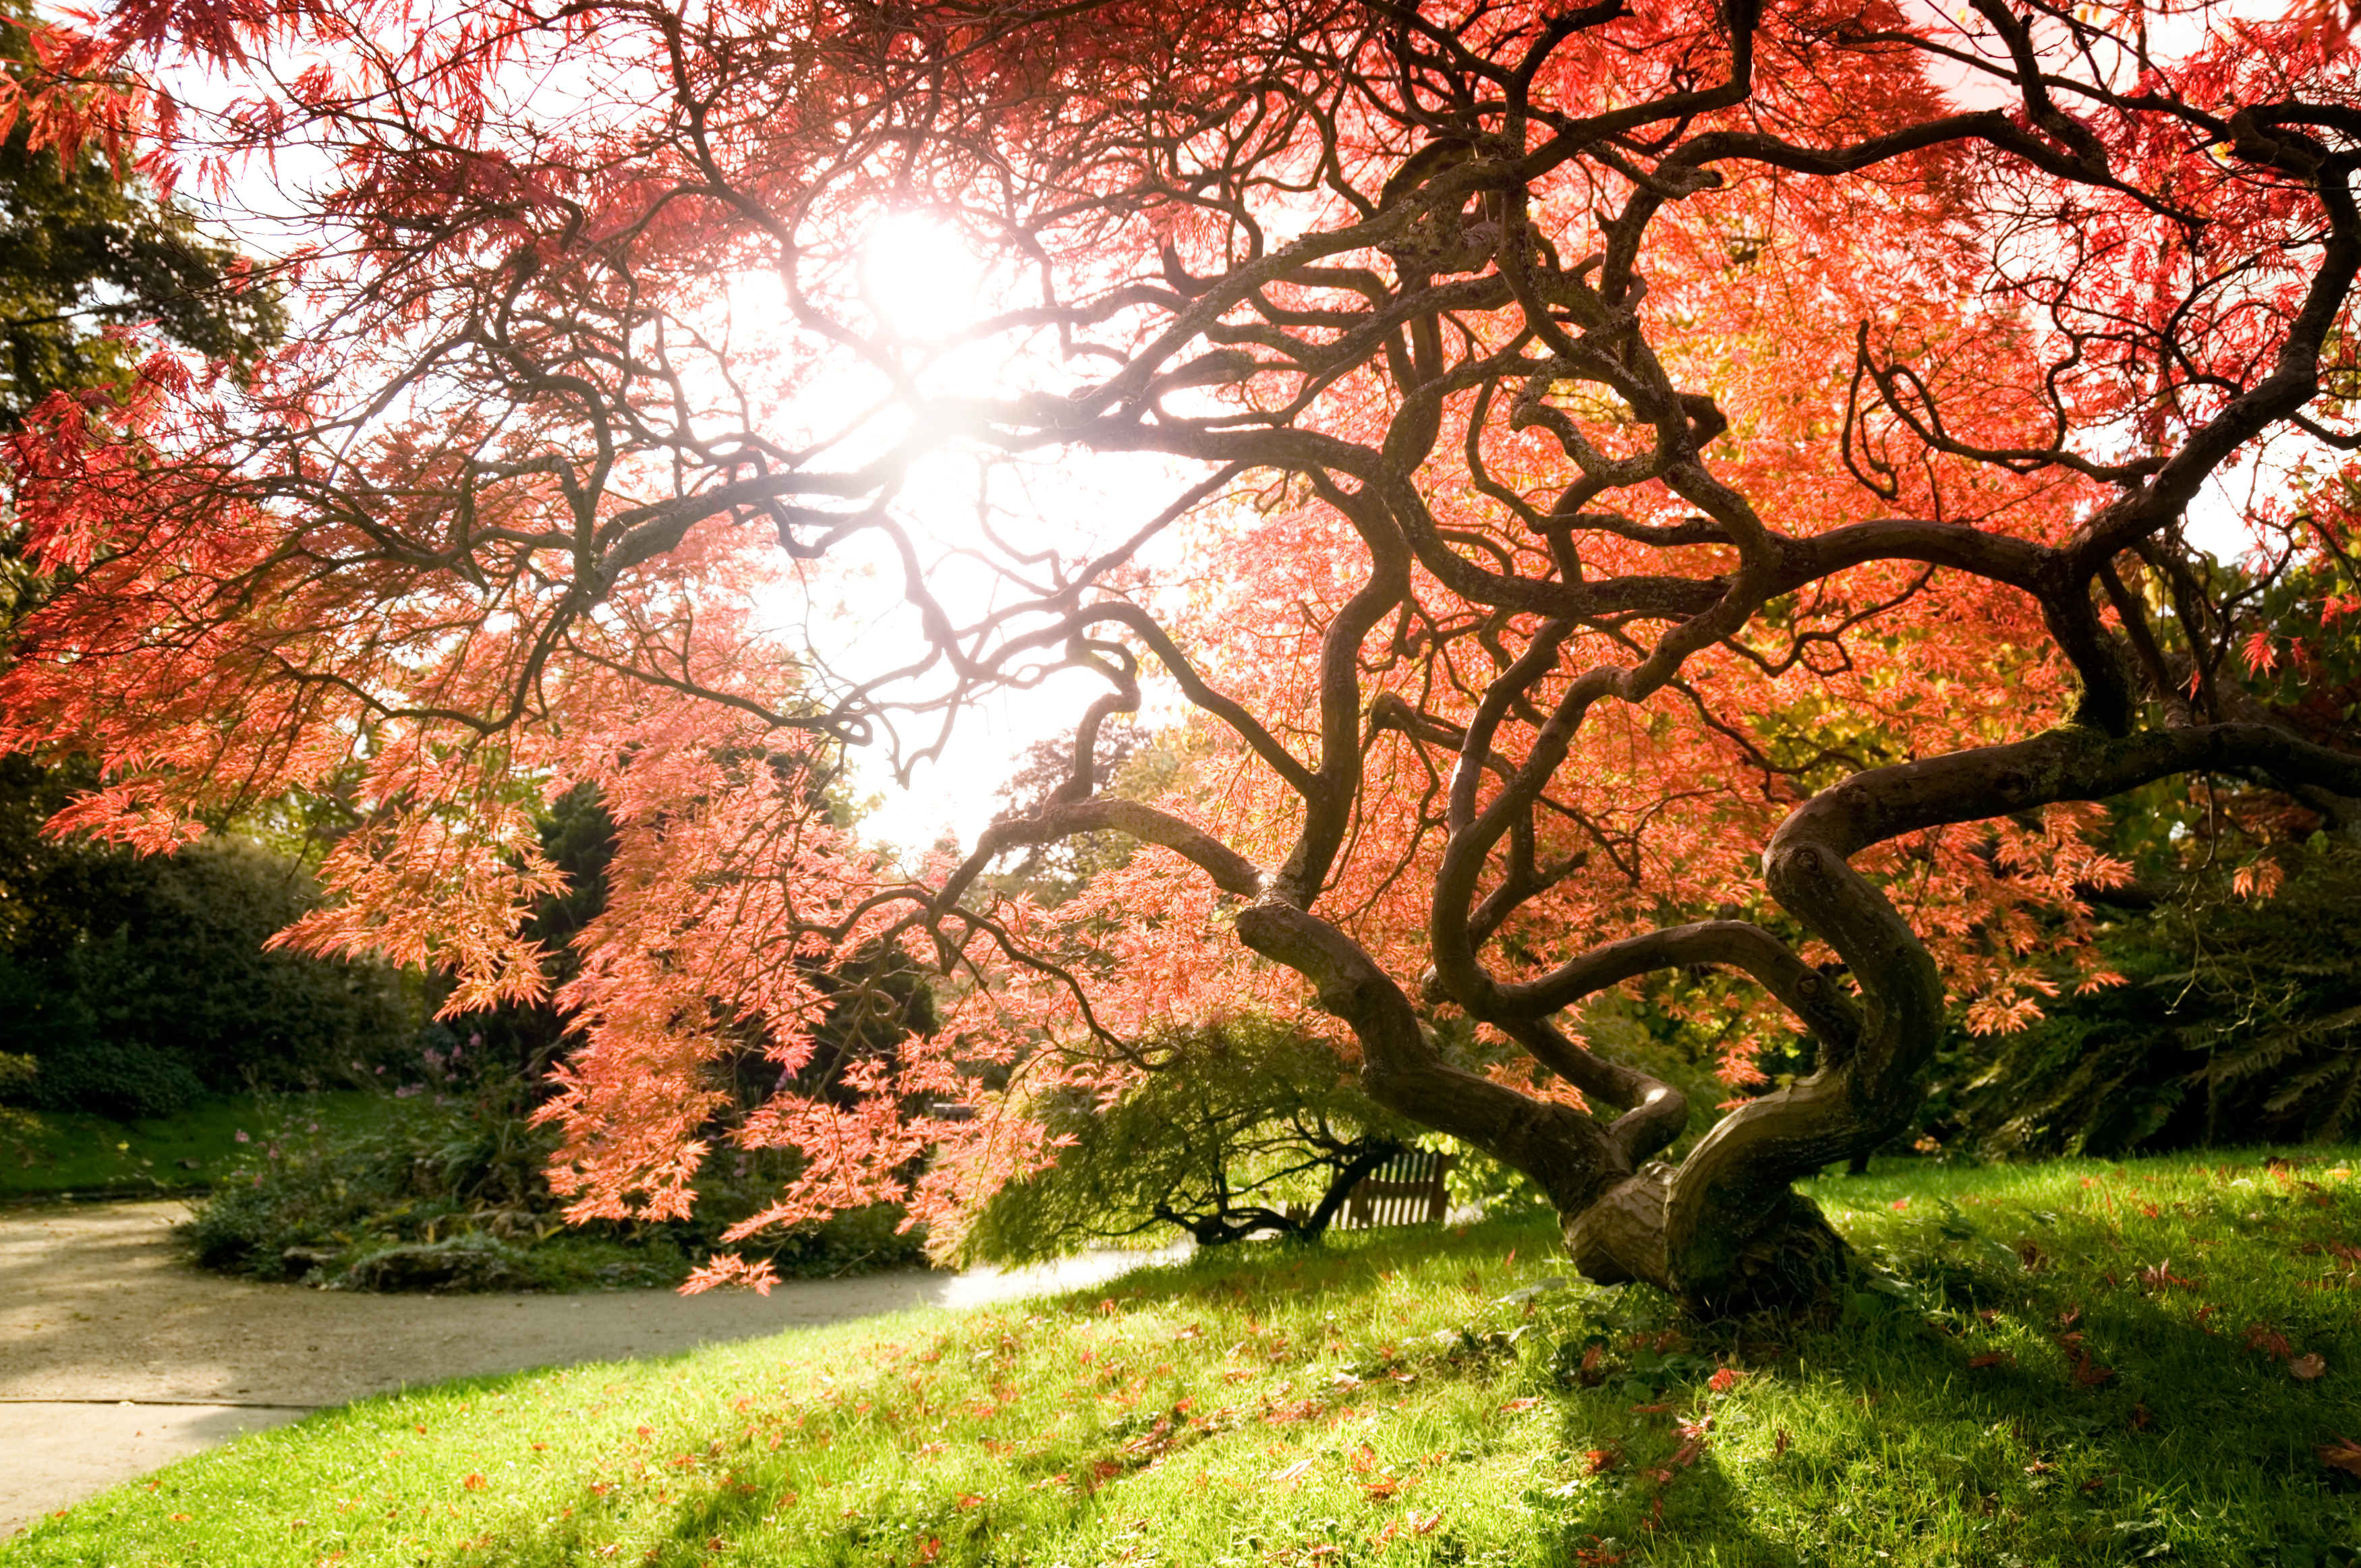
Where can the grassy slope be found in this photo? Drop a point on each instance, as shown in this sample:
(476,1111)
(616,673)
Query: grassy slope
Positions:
(69,1152)
(1378,1401)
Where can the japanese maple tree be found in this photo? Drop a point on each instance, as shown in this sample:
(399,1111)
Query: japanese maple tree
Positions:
(1624,490)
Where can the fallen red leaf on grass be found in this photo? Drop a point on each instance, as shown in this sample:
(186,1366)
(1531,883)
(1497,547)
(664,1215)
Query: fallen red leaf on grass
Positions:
(1991,1358)
(2342,1454)
(2270,1342)
(1527,1403)
(474,1482)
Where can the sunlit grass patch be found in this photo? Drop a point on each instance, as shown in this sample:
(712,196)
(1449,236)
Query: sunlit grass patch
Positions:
(2071,1364)
(60,1151)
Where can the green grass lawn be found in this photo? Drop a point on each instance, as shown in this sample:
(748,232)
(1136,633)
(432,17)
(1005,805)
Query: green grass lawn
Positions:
(64,1152)
(2071,1364)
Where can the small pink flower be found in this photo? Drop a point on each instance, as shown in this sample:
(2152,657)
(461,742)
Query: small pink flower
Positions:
(242,1137)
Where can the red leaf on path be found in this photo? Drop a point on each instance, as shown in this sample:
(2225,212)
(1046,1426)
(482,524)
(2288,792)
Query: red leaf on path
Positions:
(2342,1454)
(2309,1366)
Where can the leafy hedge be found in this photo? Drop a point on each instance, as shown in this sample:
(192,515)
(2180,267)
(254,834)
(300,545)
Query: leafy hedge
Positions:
(139,982)
(2239,1023)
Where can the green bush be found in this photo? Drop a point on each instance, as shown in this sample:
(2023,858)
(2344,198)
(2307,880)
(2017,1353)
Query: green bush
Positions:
(2239,1023)
(71,1065)
(178,963)
(1239,1122)
(140,981)
(443,1188)
(119,1078)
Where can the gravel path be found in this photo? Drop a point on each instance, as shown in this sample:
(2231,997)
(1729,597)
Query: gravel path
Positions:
(115,1357)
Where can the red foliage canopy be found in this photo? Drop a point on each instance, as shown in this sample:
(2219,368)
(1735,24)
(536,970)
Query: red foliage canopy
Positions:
(1644,487)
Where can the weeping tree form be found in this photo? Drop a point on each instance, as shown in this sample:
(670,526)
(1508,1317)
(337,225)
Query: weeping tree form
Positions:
(1633,462)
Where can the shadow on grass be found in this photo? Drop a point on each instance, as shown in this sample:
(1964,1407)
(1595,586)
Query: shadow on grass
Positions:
(1959,1409)
(1988,1414)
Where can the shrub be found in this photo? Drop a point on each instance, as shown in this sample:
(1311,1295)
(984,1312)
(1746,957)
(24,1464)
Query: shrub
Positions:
(70,1065)
(1242,1120)
(182,968)
(442,1187)
(139,983)
(2239,1023)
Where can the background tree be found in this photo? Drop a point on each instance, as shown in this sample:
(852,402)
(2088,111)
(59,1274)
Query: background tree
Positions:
(1236,1130)
(1685,491)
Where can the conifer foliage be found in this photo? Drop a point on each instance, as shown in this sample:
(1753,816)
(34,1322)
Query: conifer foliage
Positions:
(1626,490)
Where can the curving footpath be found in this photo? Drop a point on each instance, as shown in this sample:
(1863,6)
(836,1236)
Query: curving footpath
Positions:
(116,1357)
